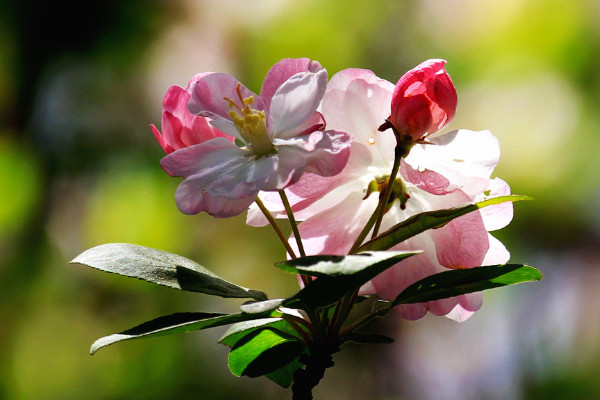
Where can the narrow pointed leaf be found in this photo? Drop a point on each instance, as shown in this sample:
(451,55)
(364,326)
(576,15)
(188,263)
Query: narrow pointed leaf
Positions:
(429,220)
(162,268)
(350,265)
(338,276)
(367,338)
(263,351)
(175,323)
(261,306)
(456,282)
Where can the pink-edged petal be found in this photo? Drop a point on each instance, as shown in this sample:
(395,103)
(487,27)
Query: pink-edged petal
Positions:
(359,109)
(161,140)
(201,131)
(281,72)
(244,176)
(318,236)
(342,80)
(497,216)
(427,180)
(315,122)
(496,254)
(191,200)
(295,101)
(175,101)
(195,79)
(207,157)
(458,153)
(208,96)
(328,152)
(466,307)
(412,116)
(463,242)
(443,306)
(172,129)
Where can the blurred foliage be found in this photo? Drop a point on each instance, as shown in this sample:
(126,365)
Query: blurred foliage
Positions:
(79,167)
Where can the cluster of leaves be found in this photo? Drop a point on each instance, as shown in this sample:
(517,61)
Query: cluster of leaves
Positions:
(278,337)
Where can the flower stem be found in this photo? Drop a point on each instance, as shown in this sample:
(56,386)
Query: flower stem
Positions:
(276,227)
(365,231)
(290,215)
(399,152)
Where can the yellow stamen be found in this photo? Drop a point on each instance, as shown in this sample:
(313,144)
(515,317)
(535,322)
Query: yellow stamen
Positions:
(251,124)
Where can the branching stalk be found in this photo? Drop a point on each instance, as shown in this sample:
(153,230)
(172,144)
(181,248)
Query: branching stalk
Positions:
(276,227)
(294,225)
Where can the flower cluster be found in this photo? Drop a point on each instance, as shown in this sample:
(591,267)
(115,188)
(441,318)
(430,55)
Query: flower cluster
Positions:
(253,143)
(234,148)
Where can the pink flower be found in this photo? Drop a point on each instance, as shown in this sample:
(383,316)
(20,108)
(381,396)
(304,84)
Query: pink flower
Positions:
(453,171)
(424,100)
(180,127)
(280,136)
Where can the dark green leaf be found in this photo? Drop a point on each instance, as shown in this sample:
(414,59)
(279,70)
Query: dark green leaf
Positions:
(162,268)
(241,329)
(338,276)
(429,220)
(284,376)
(175,323)
(367,338)
(261,306)
(263,351)
(456,282)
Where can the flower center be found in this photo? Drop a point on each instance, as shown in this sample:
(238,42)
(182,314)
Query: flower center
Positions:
(399,190)
(251,124)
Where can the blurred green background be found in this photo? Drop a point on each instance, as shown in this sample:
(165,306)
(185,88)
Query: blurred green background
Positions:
(80,83)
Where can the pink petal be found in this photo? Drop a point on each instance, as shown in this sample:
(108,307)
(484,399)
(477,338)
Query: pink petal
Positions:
(430,181)
(191,200)
(209,92)
(161,140)
(295,101)
(497,216)
(315,122)
(457,154)
(497,253)
(463,242)
(359,109)
(342,79)
(281,72)
(330,153)
(412,116)
(318,236)
(206,157)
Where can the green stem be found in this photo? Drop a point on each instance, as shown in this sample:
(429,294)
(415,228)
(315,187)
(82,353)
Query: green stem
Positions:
(362,321)
(399,152)
(346,308)
(293,322)
(365,231)
(276,227)
(290,215)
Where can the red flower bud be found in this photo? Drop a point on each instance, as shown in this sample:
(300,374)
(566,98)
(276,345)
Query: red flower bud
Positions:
(424,100)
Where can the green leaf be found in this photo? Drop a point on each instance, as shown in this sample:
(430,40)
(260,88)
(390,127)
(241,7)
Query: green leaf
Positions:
(239,330)
(261,306)
(338,275)
(367,338)
(284,376)
(456,282)
(175,323)
(162,268)
(429,220)
(263,351)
